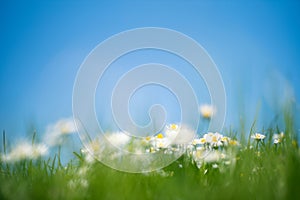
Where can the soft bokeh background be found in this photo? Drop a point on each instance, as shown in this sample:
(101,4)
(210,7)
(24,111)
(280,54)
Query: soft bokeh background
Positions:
(255,45)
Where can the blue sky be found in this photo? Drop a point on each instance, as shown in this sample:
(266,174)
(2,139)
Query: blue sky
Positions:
(255,45)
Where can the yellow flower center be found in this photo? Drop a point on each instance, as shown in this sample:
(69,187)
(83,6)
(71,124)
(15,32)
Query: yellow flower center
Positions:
(173,126)
(64,129)
(233,142)
(214,139)
(148,138)
(95,146)
(202,140)
(206,114)
(160,136)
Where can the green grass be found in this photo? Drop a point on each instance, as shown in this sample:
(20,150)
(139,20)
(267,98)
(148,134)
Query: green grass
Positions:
(263,172)
(259,170)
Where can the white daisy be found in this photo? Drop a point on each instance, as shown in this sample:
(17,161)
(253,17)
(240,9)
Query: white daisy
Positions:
(277,138)
(207,111)
(160,141)
(118,139)
(55,132)
(258,136)
(213,139)
(25,150)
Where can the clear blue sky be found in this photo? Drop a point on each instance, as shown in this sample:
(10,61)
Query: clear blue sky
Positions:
(43,44)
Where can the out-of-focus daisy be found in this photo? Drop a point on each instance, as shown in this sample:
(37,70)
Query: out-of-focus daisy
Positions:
(199,141)
(172,131)
(94,148)
(233,142)
(212,157)
(228,141)
(199,154)
(258,136)
(185,135)
(160,141)
(208,137)
(118,139)
(277,138)
(25,150)
(213,139)
(173,127)
(146,141)
(55,132)
(215,165)
(79,180)
(179,134)
(225,140)
(207,111)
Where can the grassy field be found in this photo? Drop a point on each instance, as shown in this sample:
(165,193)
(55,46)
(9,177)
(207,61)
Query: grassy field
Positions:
(261,168)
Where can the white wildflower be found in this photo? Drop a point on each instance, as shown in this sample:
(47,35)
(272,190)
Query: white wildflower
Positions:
(276,141)
(55,132)
(277,138)
(215,165)
(172,131)
(207,111)
(212,157)
(199,141)
(225,140)
(258,136)
(160,141)
(93,148)
(199,154)
(213,139)
(233,142)
(25,150)
(118,139)
(179,135)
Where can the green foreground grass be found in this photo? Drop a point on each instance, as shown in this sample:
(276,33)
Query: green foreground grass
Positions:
(265,171)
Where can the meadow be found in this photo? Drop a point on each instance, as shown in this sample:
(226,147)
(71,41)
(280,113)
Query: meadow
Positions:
(229,165)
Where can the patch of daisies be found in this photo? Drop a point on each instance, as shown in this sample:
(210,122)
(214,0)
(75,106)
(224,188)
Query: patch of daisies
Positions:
(56,134)
(210,149)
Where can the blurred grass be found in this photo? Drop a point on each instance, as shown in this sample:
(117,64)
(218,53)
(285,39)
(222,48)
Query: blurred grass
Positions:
(269,172)
(261,170)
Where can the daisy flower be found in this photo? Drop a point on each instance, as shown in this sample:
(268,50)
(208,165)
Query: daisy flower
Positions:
(118,139)
(206,111)
(213,139)
(160,141)
(199,141)
(258,136)
(25,150)
(179,134)
(277,138)
(55,132)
